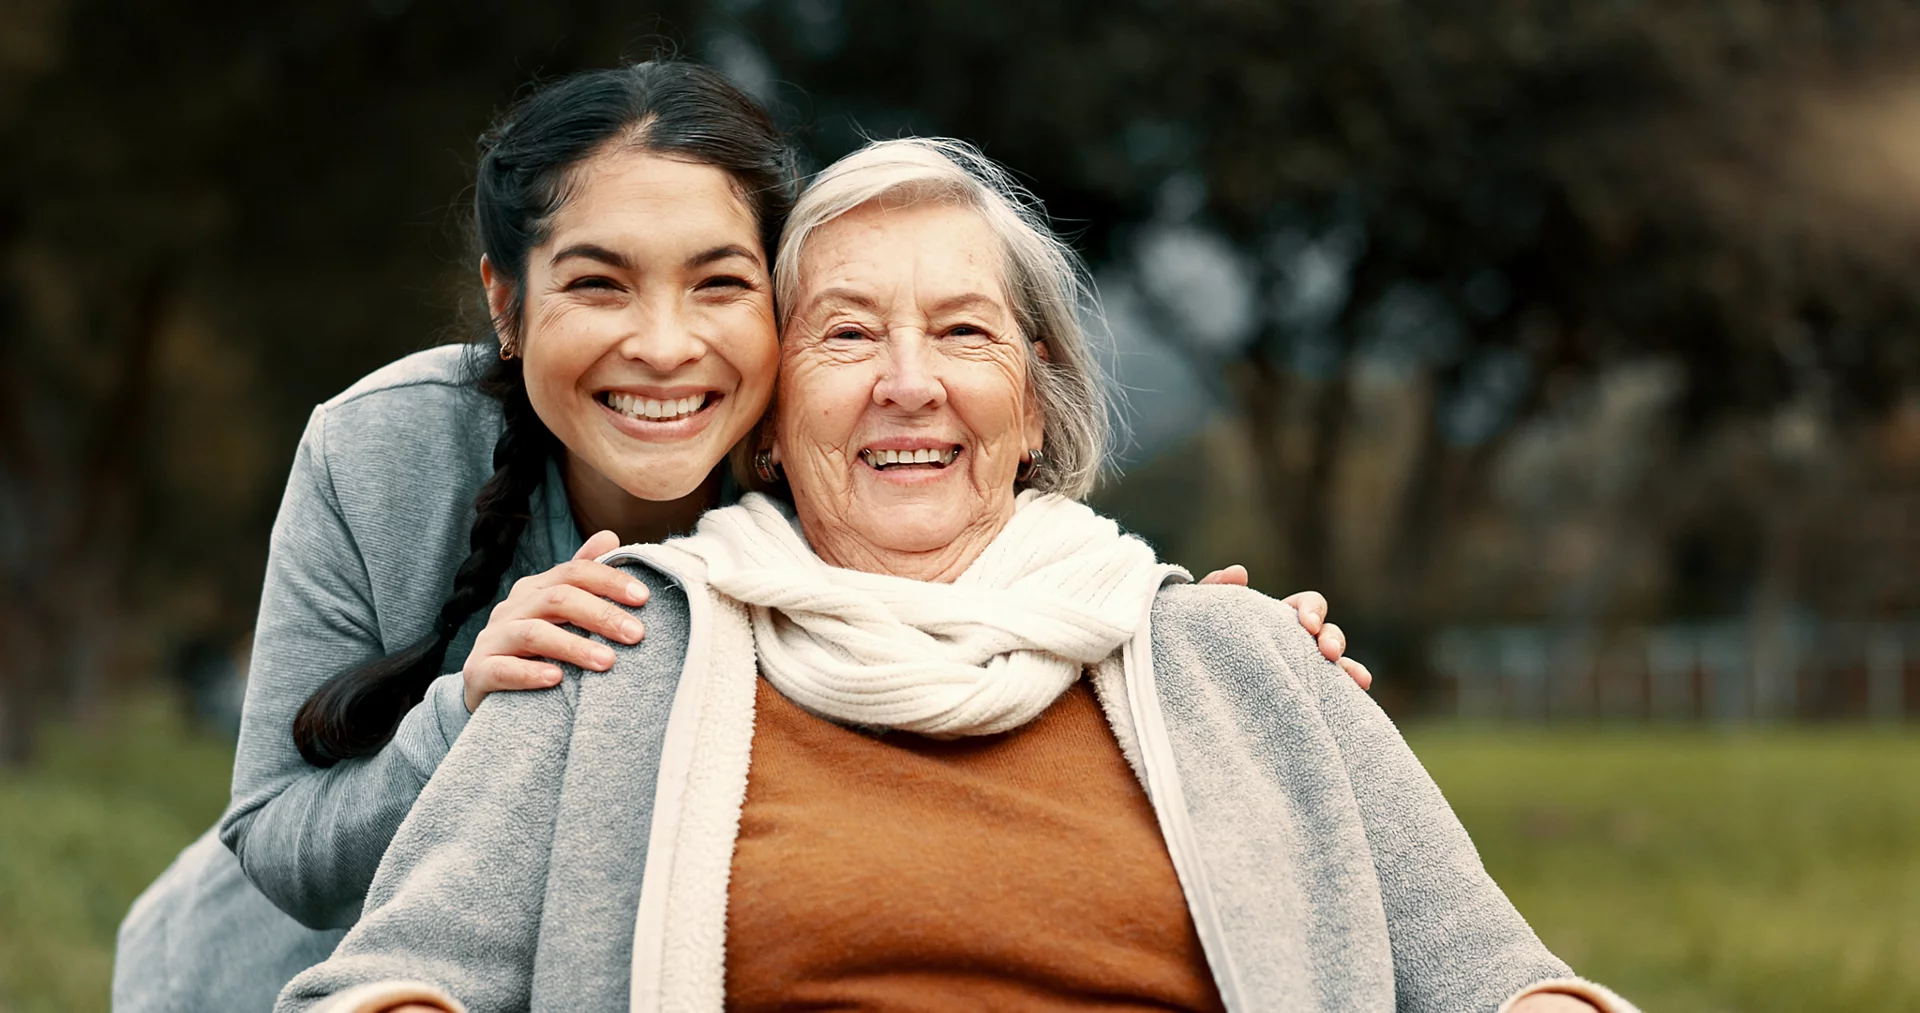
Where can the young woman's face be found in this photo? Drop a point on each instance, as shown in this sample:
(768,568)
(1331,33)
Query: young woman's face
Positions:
(648,334)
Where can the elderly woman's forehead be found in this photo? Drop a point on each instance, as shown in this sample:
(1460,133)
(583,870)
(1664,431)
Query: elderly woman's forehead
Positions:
(945,252)
(880,221)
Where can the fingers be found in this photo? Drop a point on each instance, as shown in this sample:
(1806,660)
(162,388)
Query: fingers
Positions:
(524,636)
(605,581)
(565,604)
(1333,641)
(1311,605)
(597,579)
(1357,672)
(538,638)
(1235,575)
(499,673)
(599,545)
(600,579)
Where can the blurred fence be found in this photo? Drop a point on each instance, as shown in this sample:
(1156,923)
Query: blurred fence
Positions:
(1727,672)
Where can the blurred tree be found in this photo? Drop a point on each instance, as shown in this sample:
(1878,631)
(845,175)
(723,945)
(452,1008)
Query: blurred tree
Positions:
(1472,208)
(212,218)
(1452,223)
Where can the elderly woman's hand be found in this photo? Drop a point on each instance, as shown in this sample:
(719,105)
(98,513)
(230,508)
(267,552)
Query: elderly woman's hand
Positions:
(524,636)
(1312,607)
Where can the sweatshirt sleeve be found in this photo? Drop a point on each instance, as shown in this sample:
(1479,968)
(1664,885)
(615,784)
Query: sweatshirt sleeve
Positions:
(453,913)
(310,838)
(1458,942)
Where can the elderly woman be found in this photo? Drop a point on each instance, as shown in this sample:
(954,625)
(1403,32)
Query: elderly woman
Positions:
(940,736)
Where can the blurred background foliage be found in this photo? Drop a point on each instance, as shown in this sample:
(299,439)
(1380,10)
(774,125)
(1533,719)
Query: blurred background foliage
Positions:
(1570,349)
(1461,313)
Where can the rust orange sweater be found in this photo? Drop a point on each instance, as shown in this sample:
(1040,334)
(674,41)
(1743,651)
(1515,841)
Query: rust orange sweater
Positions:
(1016,871)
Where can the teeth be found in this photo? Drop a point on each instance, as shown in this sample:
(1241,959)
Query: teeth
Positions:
(651,408)
(925,455)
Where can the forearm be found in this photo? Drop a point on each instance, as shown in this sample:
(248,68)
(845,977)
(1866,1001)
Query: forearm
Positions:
(453,913)
(312,838)
(1457,941)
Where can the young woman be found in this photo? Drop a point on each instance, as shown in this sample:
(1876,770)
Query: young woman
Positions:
(634,348)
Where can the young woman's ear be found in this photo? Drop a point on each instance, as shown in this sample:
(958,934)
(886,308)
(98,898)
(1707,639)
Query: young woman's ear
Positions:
(499,304)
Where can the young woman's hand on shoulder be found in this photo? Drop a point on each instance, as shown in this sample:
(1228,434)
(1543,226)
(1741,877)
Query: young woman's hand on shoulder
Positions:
(524,635)
(1312,608)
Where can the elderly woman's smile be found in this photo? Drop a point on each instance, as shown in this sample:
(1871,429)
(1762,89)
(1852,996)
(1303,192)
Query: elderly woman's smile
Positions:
(908,456)
(905,407)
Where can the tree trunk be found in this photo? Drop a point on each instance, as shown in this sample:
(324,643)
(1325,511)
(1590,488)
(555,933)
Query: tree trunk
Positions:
(100,542)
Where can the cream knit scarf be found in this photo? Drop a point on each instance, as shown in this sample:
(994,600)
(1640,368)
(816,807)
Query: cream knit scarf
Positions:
(1059,588)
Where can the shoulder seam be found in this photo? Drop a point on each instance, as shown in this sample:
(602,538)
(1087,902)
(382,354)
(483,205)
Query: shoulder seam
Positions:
(347,397)
(1266,636)
(1312,689)
(325,460)
(459,353)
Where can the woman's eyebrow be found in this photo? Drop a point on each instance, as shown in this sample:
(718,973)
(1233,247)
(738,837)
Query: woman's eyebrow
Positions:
(723,252)
(842,296)
(966,301)
(593,251)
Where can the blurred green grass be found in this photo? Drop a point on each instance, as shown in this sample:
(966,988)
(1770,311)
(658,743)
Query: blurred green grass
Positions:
(1696,871)
(1700,870)
(82,832)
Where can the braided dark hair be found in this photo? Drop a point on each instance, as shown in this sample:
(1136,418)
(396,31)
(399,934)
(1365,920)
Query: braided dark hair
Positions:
(527,161)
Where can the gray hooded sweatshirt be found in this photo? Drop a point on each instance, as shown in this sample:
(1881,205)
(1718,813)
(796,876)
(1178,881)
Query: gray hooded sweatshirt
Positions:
(373,525)
(1322,867)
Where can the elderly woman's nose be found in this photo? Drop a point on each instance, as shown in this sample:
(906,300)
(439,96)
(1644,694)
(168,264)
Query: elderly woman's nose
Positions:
(909,378)
(663,341)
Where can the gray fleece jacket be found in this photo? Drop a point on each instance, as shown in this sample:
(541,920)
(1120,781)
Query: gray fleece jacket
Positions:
(1323,869)
(372,526)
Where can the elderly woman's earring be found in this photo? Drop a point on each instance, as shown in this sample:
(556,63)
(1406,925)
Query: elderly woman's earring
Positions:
(1030,465)
(764,467)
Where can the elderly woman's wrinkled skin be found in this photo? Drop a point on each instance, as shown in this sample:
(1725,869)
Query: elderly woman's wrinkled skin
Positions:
(903,338)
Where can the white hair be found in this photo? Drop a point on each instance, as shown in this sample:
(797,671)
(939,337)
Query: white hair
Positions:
(1045,279)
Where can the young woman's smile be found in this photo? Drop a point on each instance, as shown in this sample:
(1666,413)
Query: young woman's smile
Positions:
(648,330)
(662,414)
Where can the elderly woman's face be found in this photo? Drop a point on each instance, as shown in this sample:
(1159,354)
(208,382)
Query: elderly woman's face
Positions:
(903,408)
